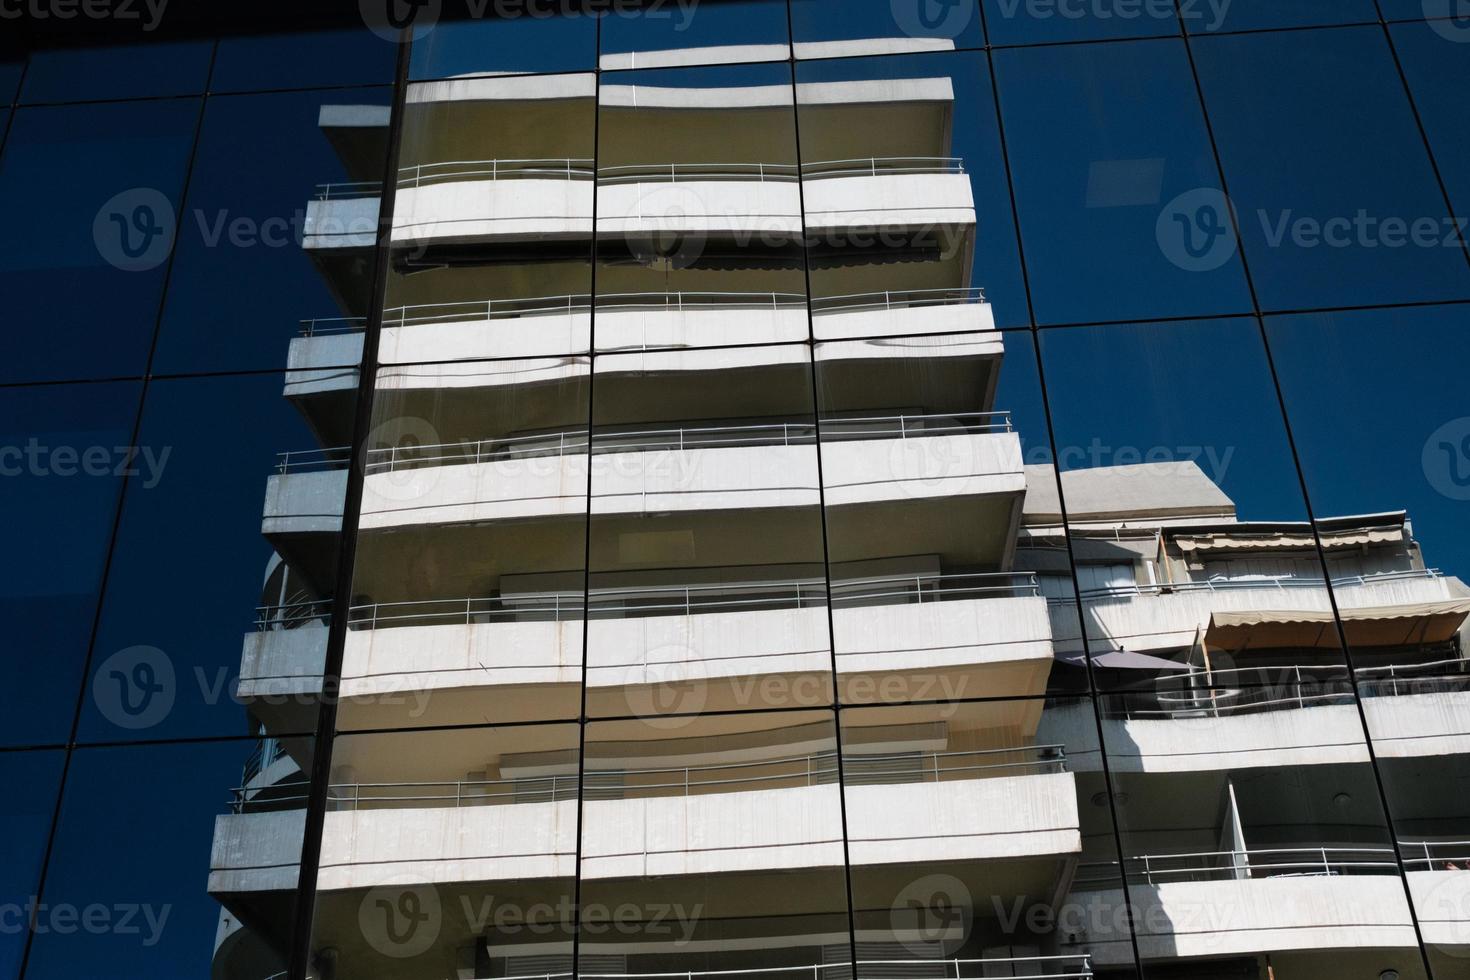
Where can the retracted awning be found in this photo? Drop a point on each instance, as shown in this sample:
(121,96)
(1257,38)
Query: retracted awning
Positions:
(1226,541)
(1368,626)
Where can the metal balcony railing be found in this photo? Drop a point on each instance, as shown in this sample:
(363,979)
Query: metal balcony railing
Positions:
(330,325)
(313,460)
(1438,855)
(1429,677)
(1281,582)
(881,166)
(581,168)
(895,589)
(446,171)
(898,299)
(675,172)
(292,615)
(1268,862)
(805,770)
(1064,967)
(575,441)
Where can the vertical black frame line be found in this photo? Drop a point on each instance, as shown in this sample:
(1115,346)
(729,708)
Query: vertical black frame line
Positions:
(1347,654)
(835,709)
(299,963)
(1035,335)
(119,509)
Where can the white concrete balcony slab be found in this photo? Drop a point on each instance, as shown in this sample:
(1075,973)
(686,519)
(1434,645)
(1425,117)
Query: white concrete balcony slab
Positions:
(1185,920)
(1321,735)
(718,657)
(918,192)
(305,494)
(1290,723)
(455,201)
(369,847)
(964,820)
(475,835)
(918,457)
(1441,899)
(324,358)
(903,312)
(532,327)
(757,201)
(640,321)
(1143,618)
(283,663)
(343,216)
(983,635)
(256,852)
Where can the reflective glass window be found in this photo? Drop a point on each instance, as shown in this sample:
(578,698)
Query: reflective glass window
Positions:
(1328,173)
(1110,197)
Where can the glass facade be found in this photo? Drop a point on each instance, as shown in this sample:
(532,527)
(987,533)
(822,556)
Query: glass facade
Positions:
(737,490)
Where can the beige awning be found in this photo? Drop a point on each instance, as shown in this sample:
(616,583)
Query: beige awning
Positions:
(1368,626)
(1260,542)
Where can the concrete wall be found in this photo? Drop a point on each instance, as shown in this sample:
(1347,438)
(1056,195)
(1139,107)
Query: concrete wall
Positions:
(1226,918)
(304,503)
(889,200)
(256,851)
(865,470)
(938,318)
(468,210)
(538,335)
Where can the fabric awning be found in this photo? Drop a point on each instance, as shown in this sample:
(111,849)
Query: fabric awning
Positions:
(1121,660)
(1368,626)
(1288,541)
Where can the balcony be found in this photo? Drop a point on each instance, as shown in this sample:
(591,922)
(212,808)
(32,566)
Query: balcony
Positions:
(1167,616)
(889,193)
(1245,902)
(493,200)
(509,200)
(907,312)
(742,467)
(761,815)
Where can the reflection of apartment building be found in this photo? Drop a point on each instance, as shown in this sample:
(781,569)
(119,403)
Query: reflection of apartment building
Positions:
(683,431)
